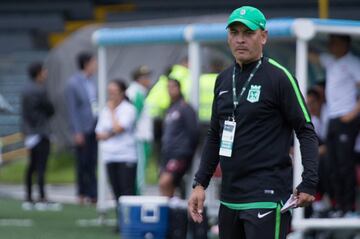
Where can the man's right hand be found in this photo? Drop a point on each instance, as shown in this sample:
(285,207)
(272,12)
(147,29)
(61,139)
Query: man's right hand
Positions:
(196,203)
(79,139)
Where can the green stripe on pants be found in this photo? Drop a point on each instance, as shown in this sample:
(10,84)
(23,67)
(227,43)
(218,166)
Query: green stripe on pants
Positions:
(277,222)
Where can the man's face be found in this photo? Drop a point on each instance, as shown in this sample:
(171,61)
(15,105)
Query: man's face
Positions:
(245,44)
(145,81)
(174,90)
(313,104)
(43,75)
(91,66)
(337,46)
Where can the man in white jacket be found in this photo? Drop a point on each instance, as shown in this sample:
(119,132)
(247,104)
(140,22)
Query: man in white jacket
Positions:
(137,93)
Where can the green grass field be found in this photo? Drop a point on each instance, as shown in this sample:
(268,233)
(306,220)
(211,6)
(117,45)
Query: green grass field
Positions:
(70,223)
(73,222)
(60,170)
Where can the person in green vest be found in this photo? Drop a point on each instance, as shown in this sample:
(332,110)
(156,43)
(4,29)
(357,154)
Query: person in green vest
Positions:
(206,88)
(137,93)
(158,99)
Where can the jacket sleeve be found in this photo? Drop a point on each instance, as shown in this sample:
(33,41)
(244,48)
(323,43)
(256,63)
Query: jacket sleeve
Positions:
(210,155)
(296,114)
(71,98)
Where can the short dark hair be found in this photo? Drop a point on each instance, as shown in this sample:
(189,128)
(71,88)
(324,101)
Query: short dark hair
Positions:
(83,58)
(177,83)
(35,69)
(321,83)
(343,37)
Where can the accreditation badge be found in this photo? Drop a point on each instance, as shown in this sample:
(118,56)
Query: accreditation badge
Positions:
(227,138)
(95,108)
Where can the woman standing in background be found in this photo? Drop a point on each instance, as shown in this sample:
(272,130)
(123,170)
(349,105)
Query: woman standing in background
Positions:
(115,130)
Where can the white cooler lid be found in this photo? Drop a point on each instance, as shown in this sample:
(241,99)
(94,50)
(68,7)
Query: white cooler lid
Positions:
(138,200)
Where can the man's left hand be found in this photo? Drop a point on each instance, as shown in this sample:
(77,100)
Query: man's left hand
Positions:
(304,199)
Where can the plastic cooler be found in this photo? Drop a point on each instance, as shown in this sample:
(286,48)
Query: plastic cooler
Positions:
(143,217)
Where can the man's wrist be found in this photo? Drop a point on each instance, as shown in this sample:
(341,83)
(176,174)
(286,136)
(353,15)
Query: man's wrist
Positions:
(197,184)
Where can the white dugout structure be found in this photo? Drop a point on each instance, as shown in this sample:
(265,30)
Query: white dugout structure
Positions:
(301,30)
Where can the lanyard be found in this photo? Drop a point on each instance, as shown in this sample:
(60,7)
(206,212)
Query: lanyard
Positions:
(236,99)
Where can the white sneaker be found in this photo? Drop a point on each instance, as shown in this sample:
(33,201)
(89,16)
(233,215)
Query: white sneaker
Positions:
(48,206)
(350,214)
(41,206)
(27,206)
(54,206)
(320,206)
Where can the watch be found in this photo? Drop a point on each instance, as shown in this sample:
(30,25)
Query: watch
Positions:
(196,183)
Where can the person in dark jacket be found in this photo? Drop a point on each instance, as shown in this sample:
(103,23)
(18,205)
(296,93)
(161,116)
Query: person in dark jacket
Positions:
(179,140)
(257,106)
(36,111)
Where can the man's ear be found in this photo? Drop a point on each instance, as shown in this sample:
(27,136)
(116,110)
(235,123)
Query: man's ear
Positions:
(264,36)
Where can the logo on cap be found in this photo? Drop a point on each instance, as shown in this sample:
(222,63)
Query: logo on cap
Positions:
(242,12)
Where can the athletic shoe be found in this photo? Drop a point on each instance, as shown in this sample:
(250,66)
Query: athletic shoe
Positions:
(54,206)
(48,206)
(336,214)
(351,214)
(41,206)
(27,205)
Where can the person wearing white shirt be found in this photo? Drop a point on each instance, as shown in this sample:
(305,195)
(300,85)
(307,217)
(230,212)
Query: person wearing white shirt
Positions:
(343,79)
(115,131)
(137,92)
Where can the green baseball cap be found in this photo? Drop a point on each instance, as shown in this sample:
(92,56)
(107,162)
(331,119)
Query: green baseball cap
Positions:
(251,17)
